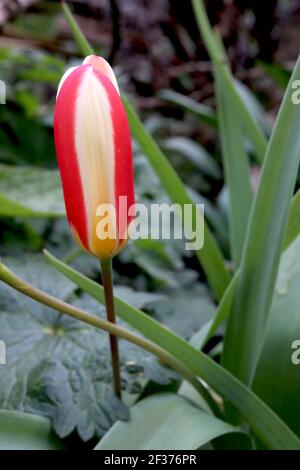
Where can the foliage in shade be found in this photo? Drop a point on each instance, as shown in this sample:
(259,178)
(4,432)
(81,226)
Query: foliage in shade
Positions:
(58,377)
(60,368)
(265,424)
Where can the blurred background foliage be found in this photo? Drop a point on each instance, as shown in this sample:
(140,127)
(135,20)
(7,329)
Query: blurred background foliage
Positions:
(160,61)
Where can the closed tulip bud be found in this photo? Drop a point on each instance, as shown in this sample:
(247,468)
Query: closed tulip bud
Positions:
(94,152)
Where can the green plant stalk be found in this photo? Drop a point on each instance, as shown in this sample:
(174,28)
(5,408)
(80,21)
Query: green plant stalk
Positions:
(9,278)
(80,38)
(107,279)
(210,256)
(264,423)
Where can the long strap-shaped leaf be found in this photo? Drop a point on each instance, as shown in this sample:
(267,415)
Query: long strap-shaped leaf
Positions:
(265,424)
(215,51)
(236,166)
(267,225)
(210,255)
(225,306)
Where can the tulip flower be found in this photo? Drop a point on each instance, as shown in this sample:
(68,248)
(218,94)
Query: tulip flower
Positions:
(94,152)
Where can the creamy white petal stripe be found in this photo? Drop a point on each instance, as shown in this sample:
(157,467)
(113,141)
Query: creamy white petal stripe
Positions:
(94,141)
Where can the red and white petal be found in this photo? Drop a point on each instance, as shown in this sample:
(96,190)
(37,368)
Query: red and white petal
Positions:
(95,156)
(100,64)
(63,78)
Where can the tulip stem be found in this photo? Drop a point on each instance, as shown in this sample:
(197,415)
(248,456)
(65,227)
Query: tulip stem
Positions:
(107,279)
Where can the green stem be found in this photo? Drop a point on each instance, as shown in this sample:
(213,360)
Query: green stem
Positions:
(107,279)
(80,38)
(7,276)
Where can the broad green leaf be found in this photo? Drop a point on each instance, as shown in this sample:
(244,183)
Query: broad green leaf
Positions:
(265,424)
(277,378)
(30,192)
(164,422)
(203,112)
(210,255)
(236,166)
(215,51)
(60,368)
(22,431)
(261,255)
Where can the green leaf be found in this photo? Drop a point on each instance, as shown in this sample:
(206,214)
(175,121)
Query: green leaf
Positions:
(261,255)
(30,192)
(203,112)
(236,166)
(60,368)
(277,378)
(20,431)
(265,424)
(210,255)
(164,422)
